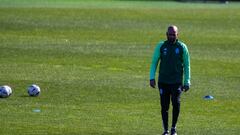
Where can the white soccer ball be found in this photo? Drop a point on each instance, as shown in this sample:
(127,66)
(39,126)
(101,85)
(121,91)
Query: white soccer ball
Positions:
(5,91)
(33,90)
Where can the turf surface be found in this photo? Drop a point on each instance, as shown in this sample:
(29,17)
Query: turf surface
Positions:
(91,60)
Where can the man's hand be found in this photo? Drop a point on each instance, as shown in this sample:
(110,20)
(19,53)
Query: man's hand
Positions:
(152,83)
(185,88)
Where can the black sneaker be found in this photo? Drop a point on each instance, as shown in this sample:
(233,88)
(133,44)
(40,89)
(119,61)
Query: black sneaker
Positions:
(166,133)
(173,131)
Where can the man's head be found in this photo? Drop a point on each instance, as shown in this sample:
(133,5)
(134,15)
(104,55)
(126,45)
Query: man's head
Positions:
(172,33)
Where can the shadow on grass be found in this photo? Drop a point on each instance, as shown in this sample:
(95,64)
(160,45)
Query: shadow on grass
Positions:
(27,96)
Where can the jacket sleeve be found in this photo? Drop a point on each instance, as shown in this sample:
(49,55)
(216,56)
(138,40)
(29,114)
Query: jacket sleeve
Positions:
(155,60)
(186,66)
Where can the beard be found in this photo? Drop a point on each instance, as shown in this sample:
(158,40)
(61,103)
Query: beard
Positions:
(172,40)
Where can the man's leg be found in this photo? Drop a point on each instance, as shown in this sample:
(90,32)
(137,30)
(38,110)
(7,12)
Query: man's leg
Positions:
(176,93)
(165,101)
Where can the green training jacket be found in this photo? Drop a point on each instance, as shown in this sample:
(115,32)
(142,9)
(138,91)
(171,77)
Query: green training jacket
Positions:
(174,63)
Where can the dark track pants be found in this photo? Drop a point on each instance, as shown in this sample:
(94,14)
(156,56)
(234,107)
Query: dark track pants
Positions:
(167,92)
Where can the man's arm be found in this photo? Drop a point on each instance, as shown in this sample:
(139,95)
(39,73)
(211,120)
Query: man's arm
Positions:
(186,66)
(155,60)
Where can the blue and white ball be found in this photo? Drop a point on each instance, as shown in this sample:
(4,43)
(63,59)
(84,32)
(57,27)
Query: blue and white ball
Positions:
(33,90)
(5,91)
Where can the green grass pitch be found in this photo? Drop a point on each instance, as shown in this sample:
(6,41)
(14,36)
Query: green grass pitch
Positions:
(92,58)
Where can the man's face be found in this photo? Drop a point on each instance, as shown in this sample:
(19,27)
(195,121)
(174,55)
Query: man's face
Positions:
(172,34)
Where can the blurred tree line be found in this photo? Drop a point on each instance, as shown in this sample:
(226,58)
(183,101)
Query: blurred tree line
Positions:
(187,0)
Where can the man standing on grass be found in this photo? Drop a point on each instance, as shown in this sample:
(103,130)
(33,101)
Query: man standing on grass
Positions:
(174,75)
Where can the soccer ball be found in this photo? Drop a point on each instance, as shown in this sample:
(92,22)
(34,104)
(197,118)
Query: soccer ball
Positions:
(33,90)
(5,91)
